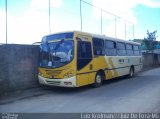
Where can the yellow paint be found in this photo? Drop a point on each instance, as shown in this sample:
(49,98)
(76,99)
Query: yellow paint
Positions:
(82,79)
(59,73)
(111,63)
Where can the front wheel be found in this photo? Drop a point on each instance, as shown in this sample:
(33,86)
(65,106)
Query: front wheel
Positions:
(98,80)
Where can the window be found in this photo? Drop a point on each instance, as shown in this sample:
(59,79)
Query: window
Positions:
(57,36)
(56,54)
(98,46)
(121,49)
(110,44)
(121,46)
(129,49)
(136,50)
(135,47)
(110,48)
(84,54)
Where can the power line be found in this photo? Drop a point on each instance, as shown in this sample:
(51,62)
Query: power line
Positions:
(102,10)
(99,8)
(107,11)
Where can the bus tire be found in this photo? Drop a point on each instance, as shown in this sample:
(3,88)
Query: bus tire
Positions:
(131,72)
(98,80)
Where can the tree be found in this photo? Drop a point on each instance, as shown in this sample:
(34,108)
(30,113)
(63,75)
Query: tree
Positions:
(150,41)
(151,35)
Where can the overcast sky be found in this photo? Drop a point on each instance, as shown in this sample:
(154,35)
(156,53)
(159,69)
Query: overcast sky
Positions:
(28,19)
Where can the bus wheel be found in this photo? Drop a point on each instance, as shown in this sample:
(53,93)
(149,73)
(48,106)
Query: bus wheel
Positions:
(131,72)
(98,80)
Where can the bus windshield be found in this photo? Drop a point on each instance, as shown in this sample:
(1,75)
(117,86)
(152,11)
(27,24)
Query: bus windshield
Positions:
(56,53)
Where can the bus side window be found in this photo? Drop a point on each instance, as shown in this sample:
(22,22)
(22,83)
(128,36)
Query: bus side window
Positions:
(129,49)
(110,48)
(98,46)
(121,49)
(136,50)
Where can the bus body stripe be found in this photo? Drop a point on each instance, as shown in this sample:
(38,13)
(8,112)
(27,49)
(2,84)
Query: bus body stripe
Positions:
(108,69)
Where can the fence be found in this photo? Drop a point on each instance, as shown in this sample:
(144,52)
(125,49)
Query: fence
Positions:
(95,20)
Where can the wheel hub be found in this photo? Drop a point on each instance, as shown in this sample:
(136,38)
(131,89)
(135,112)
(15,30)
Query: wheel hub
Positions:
(98,79)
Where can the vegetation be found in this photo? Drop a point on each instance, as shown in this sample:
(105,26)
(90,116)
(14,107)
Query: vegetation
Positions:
(150,43)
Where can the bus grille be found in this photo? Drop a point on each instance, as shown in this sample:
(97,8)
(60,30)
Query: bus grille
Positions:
(53,72)
(54,82)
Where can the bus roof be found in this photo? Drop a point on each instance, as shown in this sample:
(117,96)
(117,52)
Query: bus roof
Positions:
(99,36)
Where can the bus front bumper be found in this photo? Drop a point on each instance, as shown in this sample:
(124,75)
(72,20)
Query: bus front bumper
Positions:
(67,82)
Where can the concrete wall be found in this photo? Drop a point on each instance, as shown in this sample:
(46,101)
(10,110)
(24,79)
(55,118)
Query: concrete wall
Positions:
(18,66)
(149,61)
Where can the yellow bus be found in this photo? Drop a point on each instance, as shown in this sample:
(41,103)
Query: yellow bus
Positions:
(74,59)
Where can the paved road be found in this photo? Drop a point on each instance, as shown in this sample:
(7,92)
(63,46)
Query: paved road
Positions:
(138,94)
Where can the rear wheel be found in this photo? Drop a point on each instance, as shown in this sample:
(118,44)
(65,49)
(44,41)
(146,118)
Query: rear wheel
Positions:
(131,72)
(98,80)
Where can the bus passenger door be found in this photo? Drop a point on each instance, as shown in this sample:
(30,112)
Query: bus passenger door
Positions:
(84,58)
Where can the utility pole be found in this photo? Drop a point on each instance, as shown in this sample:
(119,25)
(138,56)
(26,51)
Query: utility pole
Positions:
(115,27)
(125,30)
(81,13)
(6,22)
(49,11)
(101,22)
(133,31)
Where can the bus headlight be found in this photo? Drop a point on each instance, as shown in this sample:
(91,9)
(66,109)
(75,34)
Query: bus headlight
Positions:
(40,74)
(68,74)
